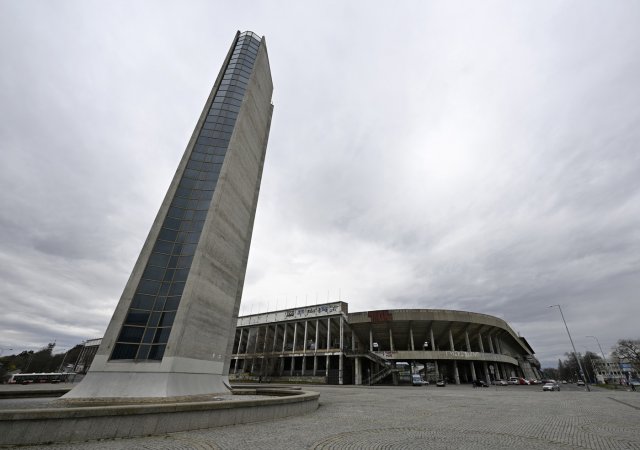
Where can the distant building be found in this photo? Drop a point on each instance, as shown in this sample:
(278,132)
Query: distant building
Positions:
(327,344)
(609,372)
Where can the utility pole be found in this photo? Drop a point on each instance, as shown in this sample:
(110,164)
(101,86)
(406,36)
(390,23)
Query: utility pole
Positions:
(604,359)
(574,348)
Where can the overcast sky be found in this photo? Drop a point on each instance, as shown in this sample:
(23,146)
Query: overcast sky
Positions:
(479,156)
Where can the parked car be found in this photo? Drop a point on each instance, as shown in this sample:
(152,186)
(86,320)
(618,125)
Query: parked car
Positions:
(499,382)
(441,383)
(551,386)
(580,383)
(535,382)
(417,380)
(480,383)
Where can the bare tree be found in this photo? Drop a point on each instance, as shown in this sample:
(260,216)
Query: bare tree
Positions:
(628,350)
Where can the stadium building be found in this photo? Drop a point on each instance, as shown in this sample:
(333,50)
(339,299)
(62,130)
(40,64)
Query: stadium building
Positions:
(327,344)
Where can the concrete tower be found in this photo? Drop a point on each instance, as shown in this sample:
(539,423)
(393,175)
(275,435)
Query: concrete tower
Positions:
(172,331)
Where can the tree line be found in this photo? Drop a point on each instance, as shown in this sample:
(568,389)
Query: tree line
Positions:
(44,360)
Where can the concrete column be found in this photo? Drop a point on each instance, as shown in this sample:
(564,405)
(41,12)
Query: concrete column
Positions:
(456,375)
(327,368)
(240,341)
(295,335)
(433,341)
(275,338)
(315,365)
(341,333)
(328,333)
(235,368)
(246,348)
(341,355)
(435,363)
(370,338)
(466,341)
(490,344)
(284,337)
(264,344)
(281,371)
(451,340)
(304,365)
(315,344)
(411,343)
(255,345)
(304,347)
(353,340)
(295,338)
(358,377)
(391,340)
(394,375)
(480,344)
(473,371)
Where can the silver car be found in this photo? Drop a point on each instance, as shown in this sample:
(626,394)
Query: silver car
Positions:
(551,386)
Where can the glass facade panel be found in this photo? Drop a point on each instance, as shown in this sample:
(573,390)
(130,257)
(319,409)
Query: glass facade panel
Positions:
(148,323)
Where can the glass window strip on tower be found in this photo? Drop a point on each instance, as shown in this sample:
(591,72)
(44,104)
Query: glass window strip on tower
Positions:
(148,323)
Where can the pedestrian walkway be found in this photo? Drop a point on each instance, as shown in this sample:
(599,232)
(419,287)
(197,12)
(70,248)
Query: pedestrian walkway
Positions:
(350,417)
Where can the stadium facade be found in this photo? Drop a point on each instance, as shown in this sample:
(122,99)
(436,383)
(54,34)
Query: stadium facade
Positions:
(327,344)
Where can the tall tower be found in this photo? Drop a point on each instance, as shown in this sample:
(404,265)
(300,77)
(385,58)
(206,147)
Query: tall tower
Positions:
(172,331)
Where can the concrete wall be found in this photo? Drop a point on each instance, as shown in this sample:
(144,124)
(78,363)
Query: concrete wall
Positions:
(33,427)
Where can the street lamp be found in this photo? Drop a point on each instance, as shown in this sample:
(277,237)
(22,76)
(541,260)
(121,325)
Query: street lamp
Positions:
(604,360)
(574,347)
(593,368)
(61,368)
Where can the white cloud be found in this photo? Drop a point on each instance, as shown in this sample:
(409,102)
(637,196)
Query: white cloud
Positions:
(467,156)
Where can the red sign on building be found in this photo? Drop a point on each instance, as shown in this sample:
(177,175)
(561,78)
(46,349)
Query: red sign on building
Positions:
(380,316)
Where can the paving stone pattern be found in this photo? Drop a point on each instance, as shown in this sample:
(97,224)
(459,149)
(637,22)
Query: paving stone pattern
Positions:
(455,417)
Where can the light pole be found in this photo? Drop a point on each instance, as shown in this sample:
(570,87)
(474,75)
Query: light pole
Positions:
(604,360)
(593,369)
(574,348)
(61,368)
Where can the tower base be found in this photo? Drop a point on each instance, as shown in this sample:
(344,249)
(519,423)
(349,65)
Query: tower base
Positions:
(151,380)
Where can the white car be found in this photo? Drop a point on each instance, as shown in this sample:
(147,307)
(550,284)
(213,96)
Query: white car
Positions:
(551,386)
(417,380)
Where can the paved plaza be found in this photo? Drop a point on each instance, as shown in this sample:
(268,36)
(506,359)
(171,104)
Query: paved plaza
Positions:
(454,417)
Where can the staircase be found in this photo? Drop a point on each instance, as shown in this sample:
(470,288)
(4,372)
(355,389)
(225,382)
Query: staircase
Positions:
(387,368)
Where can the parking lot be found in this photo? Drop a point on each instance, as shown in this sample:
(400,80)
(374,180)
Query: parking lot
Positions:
(460,417)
